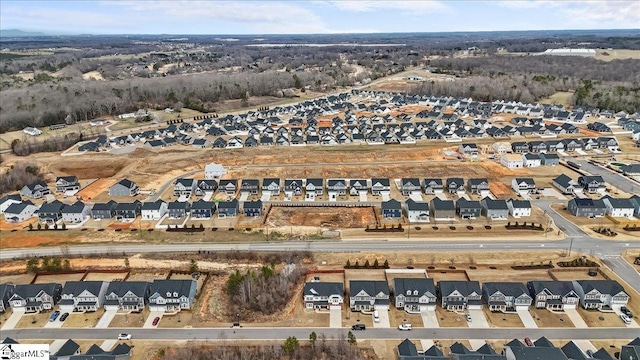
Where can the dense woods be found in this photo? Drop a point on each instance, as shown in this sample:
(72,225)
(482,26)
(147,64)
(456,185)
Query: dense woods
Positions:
(19,175)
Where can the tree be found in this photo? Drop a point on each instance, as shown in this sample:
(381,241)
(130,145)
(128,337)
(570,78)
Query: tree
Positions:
(39,226)
(178,106)
(56,264)
(66,264)
(64,226)
(193,266)
(352,338)
(312,339)
(348,265)
(291,345)
(366,264)
(33,264)
(386,264)
(126,262)
(375,264)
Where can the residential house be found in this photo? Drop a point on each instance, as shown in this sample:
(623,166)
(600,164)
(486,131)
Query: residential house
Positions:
(414,295)
(336,187)
(6,291)
(313,186)
(519,208)
(206,186)
(228,209)
(104,210)
(252,208)
(631,169)
(323,295)
(506,296)
(600,294)
(468,149)
(479,186)
(19,212)
(468,209)
(128,211)
(512,161)
(358,186)
(380,186)
(408,351)
(495,209)
(153,210)
(417,211)
(50,213)
(592,184)
(9,199)
(228,186)
(635,200)
(531,160)
(184,187)
(460,295)
(178,209)
(519,147)
(549,159)
(68,350)
(368,295)
(35,190)
(586,207)
(432,186)
(249,186)
(172,295)
(553,295)
(618,207)
(391,209)
(523,186)
(214,171)
(442,209)
(202,209)
(565,184)
(293,187)
(455,185)
(485,352)
(35,297)
(271,185)
(631,351)
(83,295)
(122,351)
(124,187)
(67,183)
(410,185)
(75,213)
(515,350)
(127,295)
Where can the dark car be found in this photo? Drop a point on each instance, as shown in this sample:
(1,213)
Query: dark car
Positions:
(155,321)
(625,310)
(358,327)
(64,316)
(528,341)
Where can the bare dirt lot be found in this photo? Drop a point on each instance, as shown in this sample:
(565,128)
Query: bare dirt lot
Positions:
(100,276)
(21,279)
(59,278)
(322,217)
(96,188)
(501,274)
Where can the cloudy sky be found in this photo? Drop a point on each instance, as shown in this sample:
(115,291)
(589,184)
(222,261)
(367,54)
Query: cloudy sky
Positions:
(295,17)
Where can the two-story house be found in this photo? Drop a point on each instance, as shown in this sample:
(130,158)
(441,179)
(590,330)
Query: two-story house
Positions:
(380,186)
(83,295)
(271,185)
(184,187)
(523,186)
(35,190)
(104,210)
(391,209)
(432,186)
(127,295)
(553,295)
(50,213)
(442,209)
(75,213)
(468,209)
(519,208)
(495,209)
(460,295)
(6,291)
(417,211)
(67,184)
(506,296)
(124,187)
(202,209)
(600,294)
(368,295)
(20,211)
(336,187)
(314,187)
(250,186)
(33,298)
(455,185)
(410,185)
(153,210)
(414,294)
(172,295)
(228,209)
(127,211)
(586,207)
(177,209)
(293,187)
(479,186)
(323,295)
(618,207)
(592,184)
(358,186)
(228,186)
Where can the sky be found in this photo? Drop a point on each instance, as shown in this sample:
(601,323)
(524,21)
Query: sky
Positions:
(313,16)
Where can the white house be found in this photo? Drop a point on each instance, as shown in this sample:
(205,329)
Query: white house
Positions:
(214,171)
(501,147)
(18,212)
(531,160)
(519,208)
(7,200)
(153,210)
(512,161)
(523,186)
(32,131)
(618,207)
(75,213)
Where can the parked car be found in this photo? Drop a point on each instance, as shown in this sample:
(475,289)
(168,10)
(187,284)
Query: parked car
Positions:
(54,316)
(625,319)
(625,310)
(358,327)
(156,321)
(528,341)
(404,327)
(376,316)
(468,316)
(124,336)
(235,325)
(64,316)
(590,353)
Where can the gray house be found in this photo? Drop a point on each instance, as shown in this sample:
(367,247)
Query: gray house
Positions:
(6,290)
(293,187)
(127,295)
(75,213)
(432,186)
(176,209)
(124,187)
(443,209)
(35,190)
(391,209)
(553,295)
(172,295)
(368,295)
(228,186)
(410,185)
(565,184)
(252,208)
(417,211)
(455,185)
(408,351)
(83,295)
(590,208)
(506,296)
(479,186)
(495,209)
(21,211)
(380,186)
(414,294)
(337,187)
(550,159)
(592,184)
(9,199)
(184,187)
(358,186)
(206,186)
(202,209)
(104,210)
(468,209)
(35,297)
(323,295)
(314,186)
(460,295)
(250,186)
(228,209)
(67,183)
(600,294)
(271,185)
(50,213)
(128,211)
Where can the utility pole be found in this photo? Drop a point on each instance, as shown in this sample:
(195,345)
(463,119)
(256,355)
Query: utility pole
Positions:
(570,246)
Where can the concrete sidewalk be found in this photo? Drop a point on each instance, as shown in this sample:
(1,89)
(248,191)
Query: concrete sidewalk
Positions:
(106,319)
(527,319)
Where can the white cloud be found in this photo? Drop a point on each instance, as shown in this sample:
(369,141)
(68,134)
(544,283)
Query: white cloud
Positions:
(419,7)
(54,19)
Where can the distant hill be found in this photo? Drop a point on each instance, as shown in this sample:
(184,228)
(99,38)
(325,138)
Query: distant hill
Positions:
(20,33)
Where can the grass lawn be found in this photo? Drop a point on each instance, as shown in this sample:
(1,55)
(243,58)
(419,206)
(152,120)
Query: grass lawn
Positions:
(179,320)
(499,319)
(450,319)
(33,320)
(546,318)
(83,320)
(130,320)
(396,318)
(595,318)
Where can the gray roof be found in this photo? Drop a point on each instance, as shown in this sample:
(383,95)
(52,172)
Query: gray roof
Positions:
(382,181)
(391,204)
(324,288)
(177,205)
(528,181)
(478,181)
(31,290)
(315,181)
(77,287)
(252,204)
(371,287)
(233,204)
(52,207)
(423,285)
(619,203)
(120,288)
(466,288)
(588,203)
(182,287)
(495,204)
(17,208)
(439,204)
(520,204)
(128,206)
(538,353)
(155,205)
(16,197)
(126,183)
(75,208)
(68,348)
(610,287)
(555,287)
(463,203)
(507,288)
(563,180)
(186,182)
(203,205)
(417,205)
(104,206)
(573,352)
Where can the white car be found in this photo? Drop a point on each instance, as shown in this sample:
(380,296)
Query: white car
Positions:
(625,319)
(405,327)
(124,336)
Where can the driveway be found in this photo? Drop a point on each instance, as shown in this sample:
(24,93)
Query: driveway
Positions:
(335,318)
(152,315)
(478,320)
(527,319)
(585,345)
(54,324)
(429,319)
(106,318)
(108,344)
(384,319)
(576,319)
(634,321)
(12,321)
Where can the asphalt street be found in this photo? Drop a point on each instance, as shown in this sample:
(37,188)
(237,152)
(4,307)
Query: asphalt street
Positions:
(303,333)
(611,177)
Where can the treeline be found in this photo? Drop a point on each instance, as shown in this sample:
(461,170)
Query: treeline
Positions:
(265,292)
(19,175)
(54,264)
(32,145)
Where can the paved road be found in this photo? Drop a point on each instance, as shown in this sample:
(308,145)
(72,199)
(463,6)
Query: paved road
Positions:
(613,178)
(166,185)
(303,333)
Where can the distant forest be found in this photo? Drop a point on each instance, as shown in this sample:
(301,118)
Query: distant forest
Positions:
(199,72)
